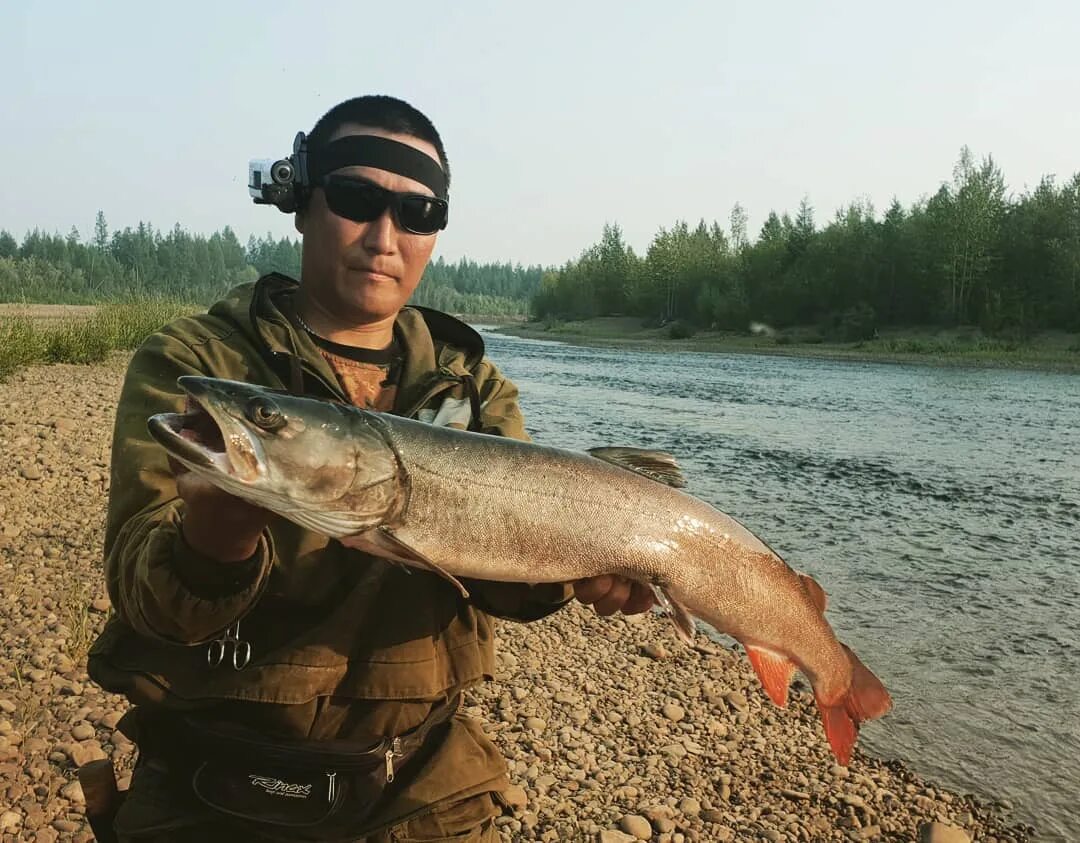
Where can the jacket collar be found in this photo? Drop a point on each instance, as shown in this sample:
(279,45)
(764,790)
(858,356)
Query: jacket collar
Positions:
(438,348)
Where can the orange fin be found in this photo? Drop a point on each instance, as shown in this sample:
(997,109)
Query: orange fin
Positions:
(840,729)
(814,589)
(774,671)
(865,699)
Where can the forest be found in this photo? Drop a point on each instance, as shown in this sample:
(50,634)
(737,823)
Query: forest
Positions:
(969,254)
(145,263)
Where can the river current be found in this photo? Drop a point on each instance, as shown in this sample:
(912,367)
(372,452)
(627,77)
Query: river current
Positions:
(939,507)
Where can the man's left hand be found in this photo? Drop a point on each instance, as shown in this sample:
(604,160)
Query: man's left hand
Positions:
(609,594)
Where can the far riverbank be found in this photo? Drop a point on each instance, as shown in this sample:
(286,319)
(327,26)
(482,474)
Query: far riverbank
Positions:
(947,347)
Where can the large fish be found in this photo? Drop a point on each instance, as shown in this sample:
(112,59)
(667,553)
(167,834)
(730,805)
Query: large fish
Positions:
(487,507)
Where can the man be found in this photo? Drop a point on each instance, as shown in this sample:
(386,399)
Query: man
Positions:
(277,642)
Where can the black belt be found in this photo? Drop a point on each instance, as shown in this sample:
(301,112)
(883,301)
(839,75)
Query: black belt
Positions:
(179,737)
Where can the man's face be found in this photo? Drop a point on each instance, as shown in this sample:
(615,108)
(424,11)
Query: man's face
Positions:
(363,272)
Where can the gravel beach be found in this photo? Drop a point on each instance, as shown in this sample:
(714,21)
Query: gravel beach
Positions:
(613,730)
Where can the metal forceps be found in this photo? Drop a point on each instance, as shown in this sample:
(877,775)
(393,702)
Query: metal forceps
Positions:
(229,640)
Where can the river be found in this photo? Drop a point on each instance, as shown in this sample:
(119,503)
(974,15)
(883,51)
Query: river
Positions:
(938,506)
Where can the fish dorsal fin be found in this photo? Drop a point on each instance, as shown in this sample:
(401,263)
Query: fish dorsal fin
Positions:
(656,465)
(813,590)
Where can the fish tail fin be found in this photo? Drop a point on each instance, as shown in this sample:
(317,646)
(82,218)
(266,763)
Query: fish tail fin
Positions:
(865,699)
(774,672)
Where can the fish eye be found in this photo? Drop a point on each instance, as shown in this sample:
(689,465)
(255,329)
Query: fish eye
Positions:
(265,414)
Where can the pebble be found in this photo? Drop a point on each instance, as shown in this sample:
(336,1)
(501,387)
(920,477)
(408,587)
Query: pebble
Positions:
(515,796)
(73,792)
(674,712)
(636,826)
(736,700)
(689,806)
(611,835)
(936,832)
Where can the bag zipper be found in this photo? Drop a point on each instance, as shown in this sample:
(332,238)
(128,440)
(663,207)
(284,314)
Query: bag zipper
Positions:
(391,753)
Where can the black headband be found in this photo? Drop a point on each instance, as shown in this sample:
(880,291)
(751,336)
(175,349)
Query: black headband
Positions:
(380,152)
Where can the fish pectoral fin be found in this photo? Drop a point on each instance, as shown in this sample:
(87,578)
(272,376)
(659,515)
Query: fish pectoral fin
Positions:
(774,671)
(656,465)
(679,614)
(382,542)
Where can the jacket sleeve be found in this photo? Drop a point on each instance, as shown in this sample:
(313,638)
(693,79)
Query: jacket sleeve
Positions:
(501,415)
(157,584)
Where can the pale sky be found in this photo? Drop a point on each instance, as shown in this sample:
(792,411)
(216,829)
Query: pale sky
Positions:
(557,116)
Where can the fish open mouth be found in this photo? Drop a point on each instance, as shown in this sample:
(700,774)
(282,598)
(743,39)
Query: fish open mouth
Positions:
(201,438)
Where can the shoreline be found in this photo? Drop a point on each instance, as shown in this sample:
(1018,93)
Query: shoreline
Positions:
(607,724)
(595,334)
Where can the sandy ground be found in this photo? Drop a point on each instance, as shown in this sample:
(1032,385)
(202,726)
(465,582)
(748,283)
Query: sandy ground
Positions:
(613,730)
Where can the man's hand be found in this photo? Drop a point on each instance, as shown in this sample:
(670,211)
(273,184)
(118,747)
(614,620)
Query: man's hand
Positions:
(217,524)
(609,594)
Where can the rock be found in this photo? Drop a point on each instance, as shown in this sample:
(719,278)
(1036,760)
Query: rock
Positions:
(85,752)
(101,605)
(66,826)
(655,651)
(712,815)
(871,832)
(73,792)
(737,700)
(663,824)
(610,835)
(942,833)
(674,712)
(516,797)
(689,806)
(536,725)
(82,731)
(636,826)
(797,795)
(10,820)
(31,472)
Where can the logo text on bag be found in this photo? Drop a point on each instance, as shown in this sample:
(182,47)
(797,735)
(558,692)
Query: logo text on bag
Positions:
(277,787)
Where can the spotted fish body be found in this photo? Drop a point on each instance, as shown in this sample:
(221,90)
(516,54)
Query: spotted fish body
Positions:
(471,505)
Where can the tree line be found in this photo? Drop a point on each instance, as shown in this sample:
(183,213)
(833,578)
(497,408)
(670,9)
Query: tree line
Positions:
(969,254)
(143,262)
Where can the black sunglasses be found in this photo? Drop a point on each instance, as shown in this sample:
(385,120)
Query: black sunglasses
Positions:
(364,201)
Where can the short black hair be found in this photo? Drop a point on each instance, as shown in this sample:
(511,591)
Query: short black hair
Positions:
(379,112)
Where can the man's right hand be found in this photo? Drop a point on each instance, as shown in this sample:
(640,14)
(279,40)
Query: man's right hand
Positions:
(217,524)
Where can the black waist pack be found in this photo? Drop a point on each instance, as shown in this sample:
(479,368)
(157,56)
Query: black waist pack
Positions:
(295,789)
